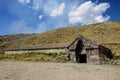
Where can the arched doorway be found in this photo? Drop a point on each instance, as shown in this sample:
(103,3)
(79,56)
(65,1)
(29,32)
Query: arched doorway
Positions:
(80,58)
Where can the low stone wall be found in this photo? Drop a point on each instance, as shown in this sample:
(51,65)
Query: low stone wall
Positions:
(28,51)
(115,62)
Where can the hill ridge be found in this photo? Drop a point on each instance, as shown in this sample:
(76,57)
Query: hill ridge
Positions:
(106,32)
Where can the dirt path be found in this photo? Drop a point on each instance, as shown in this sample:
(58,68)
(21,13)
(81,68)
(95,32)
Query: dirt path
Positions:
(57,71)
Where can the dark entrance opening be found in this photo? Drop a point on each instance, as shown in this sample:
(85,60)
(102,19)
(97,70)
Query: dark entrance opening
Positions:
(83,58)
(78,50)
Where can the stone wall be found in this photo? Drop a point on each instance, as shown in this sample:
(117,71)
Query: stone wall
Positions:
(28,51)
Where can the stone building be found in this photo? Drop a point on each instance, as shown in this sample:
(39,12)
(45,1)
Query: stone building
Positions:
(81,50)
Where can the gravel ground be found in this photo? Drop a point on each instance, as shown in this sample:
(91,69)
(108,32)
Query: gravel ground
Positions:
(57,71)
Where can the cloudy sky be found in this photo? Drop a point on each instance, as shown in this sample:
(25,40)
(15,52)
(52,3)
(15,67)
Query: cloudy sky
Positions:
(36,16)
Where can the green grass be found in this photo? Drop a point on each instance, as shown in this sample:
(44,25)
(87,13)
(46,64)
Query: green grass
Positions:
(35,56)
(116,58)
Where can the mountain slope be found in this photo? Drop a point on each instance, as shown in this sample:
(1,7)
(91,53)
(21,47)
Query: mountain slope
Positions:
(107,32)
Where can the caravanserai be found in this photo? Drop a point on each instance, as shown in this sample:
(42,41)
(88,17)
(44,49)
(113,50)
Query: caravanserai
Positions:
(81,50)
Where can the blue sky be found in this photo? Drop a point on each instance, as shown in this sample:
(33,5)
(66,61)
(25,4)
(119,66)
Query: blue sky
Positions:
(36,16)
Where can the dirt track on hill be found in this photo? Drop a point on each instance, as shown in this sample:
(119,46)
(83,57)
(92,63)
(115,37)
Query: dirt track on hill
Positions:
(57,71)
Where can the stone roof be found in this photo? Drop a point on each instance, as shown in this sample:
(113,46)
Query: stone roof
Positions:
(54,45)
(44,46)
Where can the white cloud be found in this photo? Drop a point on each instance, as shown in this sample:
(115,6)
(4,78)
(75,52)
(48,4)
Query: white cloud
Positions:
(24,1)
(101,18)
(58,11)
(40,16)
(37,4)
(88,13)
(19,27)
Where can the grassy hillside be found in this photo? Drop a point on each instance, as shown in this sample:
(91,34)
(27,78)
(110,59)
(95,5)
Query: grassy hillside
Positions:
(107,32)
